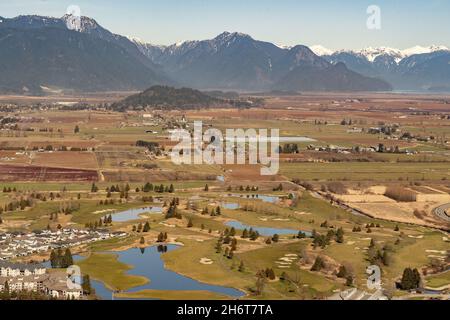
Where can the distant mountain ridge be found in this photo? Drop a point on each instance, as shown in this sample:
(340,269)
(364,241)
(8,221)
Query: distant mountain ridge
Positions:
(41,52)
(237,61)
(95,59)
(371,53)
(416,68)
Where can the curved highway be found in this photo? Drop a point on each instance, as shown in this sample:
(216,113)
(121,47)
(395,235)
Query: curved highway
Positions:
(440,212)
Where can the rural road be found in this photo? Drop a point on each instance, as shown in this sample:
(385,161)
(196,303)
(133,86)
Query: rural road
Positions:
(440,212)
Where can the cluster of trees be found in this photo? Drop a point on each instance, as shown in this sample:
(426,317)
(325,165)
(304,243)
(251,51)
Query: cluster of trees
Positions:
(301,235)
(370,226)
(400,194)
(289,148)
(173,212)
(52,196)
(151,146)
(142,227)
(162,237)
(122,190)
(106,221)
(227,238)
(214,211)
(106,202)
(60,259)
(410,280)
(43,197)
(251,234)
(167,189)
(242,189)
(379,256)
(9,190)
(268,273)
(344,272)
(275,238)
(117,189)
(322,240)
(149,187)
(26,295)
(21,204)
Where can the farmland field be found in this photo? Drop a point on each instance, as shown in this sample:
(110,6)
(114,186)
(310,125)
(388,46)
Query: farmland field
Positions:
(77,167)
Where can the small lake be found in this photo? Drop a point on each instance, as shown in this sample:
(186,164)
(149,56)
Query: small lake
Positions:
(262,197)
(134,214)
(230,205)
(148,263)
(264,231)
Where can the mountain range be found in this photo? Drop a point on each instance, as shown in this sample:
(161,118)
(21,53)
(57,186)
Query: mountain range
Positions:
(237,61)
(417,68)
(39,54)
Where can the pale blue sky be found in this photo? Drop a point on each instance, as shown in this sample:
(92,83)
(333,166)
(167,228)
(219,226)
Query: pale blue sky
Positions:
(334,24)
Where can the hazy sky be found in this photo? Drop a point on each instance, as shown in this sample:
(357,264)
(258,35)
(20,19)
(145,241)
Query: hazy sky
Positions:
(334,24)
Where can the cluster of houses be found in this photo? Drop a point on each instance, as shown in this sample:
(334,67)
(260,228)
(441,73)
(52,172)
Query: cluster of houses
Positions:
(14,245)
(359,149)
(17,277)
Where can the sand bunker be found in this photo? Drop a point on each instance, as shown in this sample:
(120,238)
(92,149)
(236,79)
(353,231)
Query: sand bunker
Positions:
(206,261)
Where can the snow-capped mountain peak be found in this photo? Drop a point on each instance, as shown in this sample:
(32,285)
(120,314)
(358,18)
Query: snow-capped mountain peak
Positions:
(371,53)
(421,50)
(321,50)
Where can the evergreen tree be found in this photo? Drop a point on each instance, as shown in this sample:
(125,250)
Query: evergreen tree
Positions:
(86,285)
(67,260)
(94,188)
(342,273)
(318,265)
(410,279)
(340,235)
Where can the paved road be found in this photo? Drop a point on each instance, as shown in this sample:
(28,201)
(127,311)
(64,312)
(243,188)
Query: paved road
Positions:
(440,212)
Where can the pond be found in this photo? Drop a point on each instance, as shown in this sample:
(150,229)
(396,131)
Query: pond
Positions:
(134,214)
(230,205)
(263,197)
(264,231)
(148,263)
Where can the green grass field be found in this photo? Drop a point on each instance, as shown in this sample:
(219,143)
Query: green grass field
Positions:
(365,171)
(107,269)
